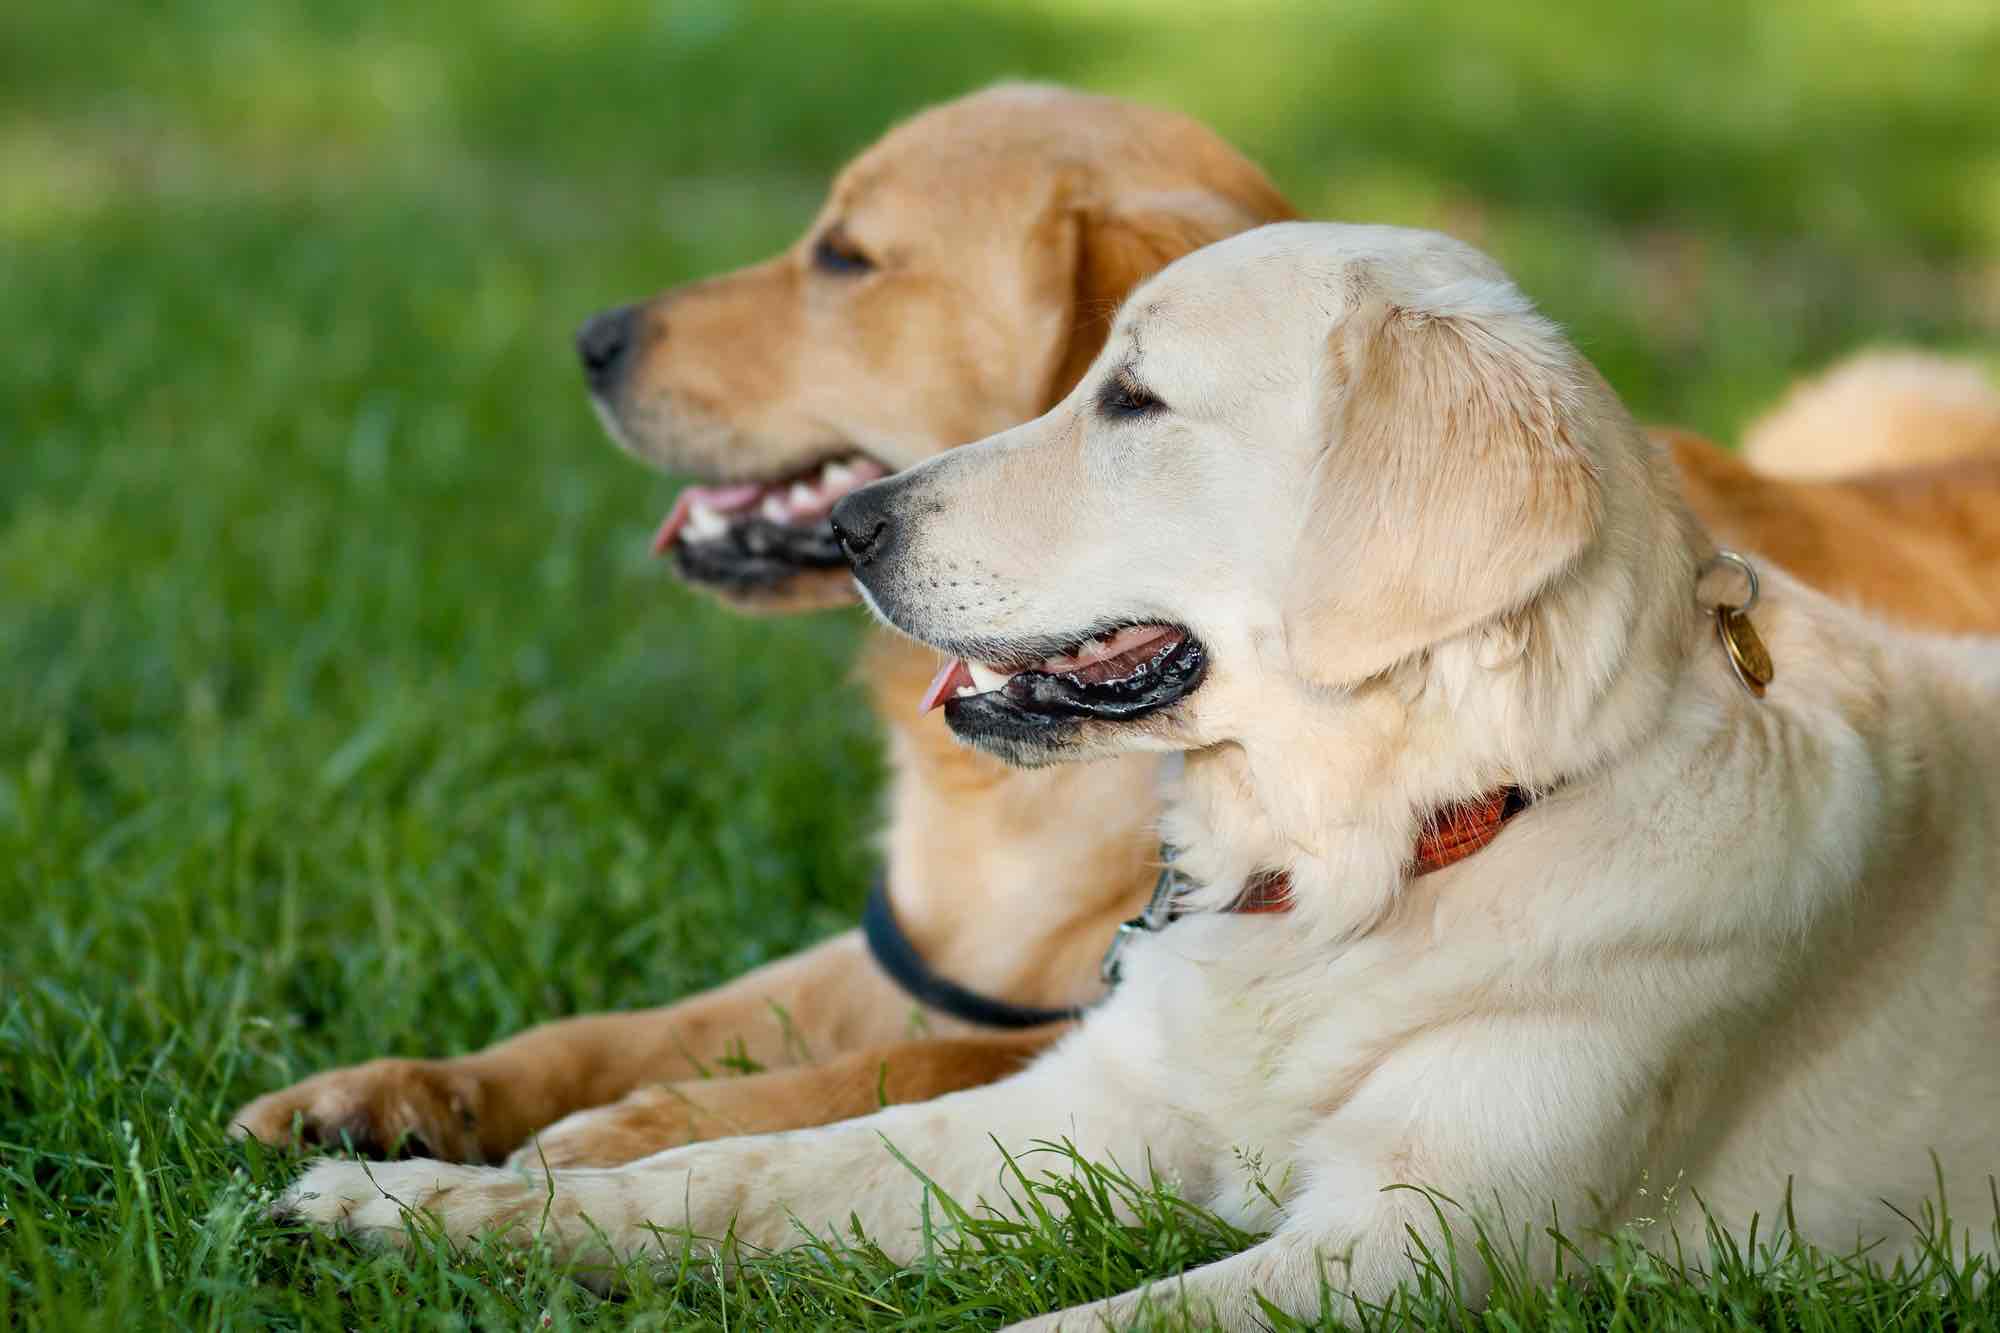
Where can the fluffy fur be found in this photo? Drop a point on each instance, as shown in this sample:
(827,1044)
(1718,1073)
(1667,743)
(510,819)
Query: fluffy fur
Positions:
(1010,881)
(1886,408)
(1748,945)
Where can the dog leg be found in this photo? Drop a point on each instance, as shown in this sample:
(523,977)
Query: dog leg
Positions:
(652,1120)
(764,1189)
(480,1107)
(1454,1137)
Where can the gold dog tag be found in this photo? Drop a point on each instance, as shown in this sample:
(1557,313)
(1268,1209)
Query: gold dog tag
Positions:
(1748,656)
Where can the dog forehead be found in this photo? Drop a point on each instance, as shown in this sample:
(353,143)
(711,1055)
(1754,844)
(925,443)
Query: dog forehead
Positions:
(991,154)
(945,176)
(1320,267)
(1284,286)
(1228,308)
(998,159)
(918,196)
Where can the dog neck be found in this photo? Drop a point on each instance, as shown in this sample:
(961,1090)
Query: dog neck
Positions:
(1008,881)
(1330,787)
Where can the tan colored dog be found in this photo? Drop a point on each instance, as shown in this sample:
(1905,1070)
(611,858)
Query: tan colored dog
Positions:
(1340,516)
(958,281)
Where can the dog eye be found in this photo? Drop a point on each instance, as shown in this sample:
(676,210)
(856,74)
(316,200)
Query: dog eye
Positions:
(1123,396)
(834,253)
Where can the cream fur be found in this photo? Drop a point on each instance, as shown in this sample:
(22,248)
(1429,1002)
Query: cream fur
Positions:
(1879,409)
(1748,946)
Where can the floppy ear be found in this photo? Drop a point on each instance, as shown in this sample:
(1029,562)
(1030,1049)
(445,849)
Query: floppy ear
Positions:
(1458,478)
(1119,246)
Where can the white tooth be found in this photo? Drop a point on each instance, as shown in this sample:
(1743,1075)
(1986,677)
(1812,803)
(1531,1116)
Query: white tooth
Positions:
(837,475)
(986,678)
(774,509)
(801,496)
(704,523)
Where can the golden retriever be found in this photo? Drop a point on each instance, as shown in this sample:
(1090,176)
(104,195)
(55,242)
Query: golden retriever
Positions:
(1340,517)
(958,280)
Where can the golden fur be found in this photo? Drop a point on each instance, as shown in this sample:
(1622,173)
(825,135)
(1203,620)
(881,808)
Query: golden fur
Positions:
(1918,544)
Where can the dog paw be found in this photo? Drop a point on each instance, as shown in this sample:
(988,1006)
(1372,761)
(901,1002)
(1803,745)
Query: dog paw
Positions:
(384,1108)
(368,1201)
(593,1226)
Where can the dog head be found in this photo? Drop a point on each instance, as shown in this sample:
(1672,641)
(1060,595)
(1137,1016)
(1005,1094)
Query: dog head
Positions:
(1304,456)
(958,280)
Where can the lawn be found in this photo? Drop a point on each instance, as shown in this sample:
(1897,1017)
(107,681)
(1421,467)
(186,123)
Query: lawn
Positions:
(345,714)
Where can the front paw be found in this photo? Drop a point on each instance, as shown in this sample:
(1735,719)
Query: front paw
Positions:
(424,1108)
(593,1223)
(370,1201)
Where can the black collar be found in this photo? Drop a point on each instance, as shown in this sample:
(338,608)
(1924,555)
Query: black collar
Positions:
(898,957)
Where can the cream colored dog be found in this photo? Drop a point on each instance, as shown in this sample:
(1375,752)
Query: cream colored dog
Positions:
(1336,513)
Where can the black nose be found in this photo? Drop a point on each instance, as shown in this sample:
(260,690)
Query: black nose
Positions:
(603,344)
(861,521)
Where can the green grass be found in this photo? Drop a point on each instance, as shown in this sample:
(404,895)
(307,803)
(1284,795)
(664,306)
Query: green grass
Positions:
(344,713)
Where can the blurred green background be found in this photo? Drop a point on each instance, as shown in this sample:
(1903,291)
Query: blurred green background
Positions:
(341,709)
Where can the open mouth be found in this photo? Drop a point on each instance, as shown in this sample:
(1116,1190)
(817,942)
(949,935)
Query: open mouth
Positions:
(759,534)
(1118,676)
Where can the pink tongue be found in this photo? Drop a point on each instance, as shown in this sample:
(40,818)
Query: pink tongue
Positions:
(724,498)
(950,677)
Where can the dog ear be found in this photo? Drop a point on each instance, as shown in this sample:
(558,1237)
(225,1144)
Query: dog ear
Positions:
(1458,478)
(1120,245)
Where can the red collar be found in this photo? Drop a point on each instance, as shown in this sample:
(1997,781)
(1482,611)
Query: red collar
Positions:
(1451,833)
